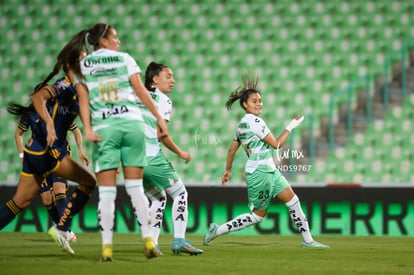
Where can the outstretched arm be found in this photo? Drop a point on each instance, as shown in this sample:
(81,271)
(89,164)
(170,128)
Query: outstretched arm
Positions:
(229,162)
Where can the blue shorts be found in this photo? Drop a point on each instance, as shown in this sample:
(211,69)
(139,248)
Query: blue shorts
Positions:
(41,163)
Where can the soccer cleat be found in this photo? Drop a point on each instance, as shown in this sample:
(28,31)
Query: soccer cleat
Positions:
(61,238)
(72,237)
(182,245)
(159,251)
(150,249)
(211,234)
(106,253)
(314,245)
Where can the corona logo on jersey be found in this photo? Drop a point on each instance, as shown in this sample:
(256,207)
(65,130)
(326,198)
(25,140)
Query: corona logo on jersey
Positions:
(103,60)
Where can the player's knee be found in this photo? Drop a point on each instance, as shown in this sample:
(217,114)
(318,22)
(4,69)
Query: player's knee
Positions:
(154,194)
(257,218)
(177,190)
(23,202)
(89,182)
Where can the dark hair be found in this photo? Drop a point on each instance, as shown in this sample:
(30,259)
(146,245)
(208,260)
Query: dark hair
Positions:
(86,41)
(20,111)
(152,70)
(250,82)
(95,33)
(68,58)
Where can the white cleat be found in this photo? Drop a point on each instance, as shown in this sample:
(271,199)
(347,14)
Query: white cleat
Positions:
(61,238)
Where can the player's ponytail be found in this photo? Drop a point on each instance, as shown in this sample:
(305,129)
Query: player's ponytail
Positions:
(250,82)
(67,59)
(92,35)
(20,111)
(44,82)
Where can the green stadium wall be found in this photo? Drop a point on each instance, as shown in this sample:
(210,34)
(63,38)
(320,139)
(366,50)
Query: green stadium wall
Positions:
(356,211)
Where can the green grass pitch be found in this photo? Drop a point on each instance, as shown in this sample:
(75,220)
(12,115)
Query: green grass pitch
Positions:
(35,253)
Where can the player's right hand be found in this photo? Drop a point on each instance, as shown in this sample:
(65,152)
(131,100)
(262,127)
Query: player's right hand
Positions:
(93,136)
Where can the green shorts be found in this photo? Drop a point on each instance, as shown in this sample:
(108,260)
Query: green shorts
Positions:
(262,187)
(159,173)
(121,143)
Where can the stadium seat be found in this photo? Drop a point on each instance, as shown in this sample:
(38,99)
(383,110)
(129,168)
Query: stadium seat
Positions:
(303,51)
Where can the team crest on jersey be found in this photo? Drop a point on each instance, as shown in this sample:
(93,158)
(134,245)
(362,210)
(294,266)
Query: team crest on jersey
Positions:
(64,83)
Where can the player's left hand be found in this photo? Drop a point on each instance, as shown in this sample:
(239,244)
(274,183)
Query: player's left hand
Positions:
(186,156)
(84,157)
(226,177)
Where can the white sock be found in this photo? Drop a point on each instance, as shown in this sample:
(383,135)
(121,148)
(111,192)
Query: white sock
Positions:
(106,212)
(139,201)
(158,202)
(240,222)
(179,209)
(299,219)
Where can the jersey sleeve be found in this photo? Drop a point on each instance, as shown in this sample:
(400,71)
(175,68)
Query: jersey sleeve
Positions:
(165,107)
(259,127)
(73,126)
(132,65)
(23,125)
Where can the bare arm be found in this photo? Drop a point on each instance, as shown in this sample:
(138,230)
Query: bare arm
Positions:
(79,140)
(172,146)
(277,142)
(146,99)
(229,161)
(280,140)
(85,113)
(39,100)
(18,139)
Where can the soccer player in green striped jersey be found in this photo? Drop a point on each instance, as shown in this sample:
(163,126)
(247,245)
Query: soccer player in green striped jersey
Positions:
(263,180)
(110,84)
(159,176)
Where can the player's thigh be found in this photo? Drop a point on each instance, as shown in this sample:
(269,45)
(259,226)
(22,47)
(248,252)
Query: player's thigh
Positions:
(107,153)
(73,170)
(133,151)
(159,173)
(27,189)
(260,190)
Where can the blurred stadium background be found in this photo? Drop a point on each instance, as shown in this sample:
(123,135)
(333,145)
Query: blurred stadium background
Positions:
(346,65)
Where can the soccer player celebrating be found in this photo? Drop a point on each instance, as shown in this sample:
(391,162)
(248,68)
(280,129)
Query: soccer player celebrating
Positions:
(263,180)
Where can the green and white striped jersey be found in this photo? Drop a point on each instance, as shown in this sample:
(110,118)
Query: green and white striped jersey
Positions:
(111,96)
(251,130)
(164,106)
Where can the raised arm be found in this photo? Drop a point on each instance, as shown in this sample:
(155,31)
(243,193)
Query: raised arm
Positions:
(280,140)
